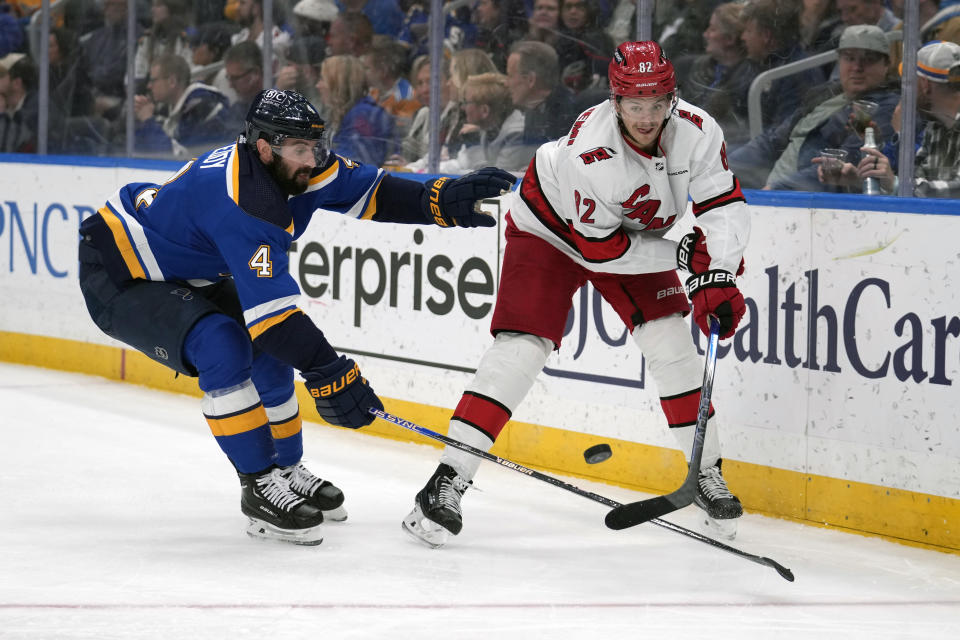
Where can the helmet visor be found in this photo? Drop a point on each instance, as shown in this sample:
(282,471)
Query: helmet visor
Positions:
(303,151)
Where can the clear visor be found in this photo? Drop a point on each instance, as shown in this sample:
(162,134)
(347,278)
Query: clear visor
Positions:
(300,151)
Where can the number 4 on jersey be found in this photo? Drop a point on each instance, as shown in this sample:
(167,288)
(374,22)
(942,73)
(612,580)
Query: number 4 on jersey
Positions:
(260,262)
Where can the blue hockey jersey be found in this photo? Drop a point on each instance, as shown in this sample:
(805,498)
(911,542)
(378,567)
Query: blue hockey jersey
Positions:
(222,215)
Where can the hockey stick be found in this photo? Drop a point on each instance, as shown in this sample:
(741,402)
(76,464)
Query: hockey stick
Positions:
(785,573)
(634,513)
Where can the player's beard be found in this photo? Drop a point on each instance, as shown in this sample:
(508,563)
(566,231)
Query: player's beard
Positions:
(292,182)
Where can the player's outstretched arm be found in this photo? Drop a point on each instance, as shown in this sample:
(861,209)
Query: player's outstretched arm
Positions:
(446,202)
(453,202)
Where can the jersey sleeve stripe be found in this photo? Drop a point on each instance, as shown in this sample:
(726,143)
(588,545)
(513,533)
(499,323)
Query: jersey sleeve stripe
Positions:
(603,249)
(258,328)
(322,179)
(233,176)
(733,195)
(120,238)
(372,203)
(138,238)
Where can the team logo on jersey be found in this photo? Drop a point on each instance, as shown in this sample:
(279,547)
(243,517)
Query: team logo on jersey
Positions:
(597,154)
(644,211)
(658,165)
(692,117)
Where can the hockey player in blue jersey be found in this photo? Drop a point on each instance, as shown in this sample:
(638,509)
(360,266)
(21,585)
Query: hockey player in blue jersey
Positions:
(194,273)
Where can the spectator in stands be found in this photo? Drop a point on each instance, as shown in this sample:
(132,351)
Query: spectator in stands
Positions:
(458,30)
(499,24)
(463,64)
(544,24)
(866,12)
(491,132)
(929,28)
(937,166)
(584,49)
(302,70)
(209,44)
(770,36)
(944,24)
(196,114)
(362,129)
(313,17)
(350,34)
(533,80)
(415,144)
(719,80)
(105,53)
(243,65)
(11,33)
(166,35)
(386,65)
(792,147)
(681,30)
(250,17)
(18,122)
(385,15)
(69,81)
(820,25)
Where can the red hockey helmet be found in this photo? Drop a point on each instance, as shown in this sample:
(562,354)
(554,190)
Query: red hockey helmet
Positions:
(641,70)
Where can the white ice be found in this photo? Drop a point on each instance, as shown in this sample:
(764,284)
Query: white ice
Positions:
(121,520)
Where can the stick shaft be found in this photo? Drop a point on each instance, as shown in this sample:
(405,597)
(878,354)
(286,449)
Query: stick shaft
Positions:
(634,513)
(519,468)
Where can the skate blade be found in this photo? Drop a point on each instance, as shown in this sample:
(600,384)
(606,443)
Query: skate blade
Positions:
(310,536)
(726,529)
(424,530)
(335,515)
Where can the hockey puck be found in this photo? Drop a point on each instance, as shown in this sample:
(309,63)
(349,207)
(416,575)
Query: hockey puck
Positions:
(597,453)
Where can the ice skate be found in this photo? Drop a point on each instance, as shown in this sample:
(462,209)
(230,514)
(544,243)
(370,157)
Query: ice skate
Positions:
(721,508)
(436,512)
(322,494)
(275,512)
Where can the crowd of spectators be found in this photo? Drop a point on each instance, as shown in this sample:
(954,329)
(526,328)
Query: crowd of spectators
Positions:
(514,74)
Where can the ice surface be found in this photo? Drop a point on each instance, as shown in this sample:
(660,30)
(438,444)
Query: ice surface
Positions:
(122,520)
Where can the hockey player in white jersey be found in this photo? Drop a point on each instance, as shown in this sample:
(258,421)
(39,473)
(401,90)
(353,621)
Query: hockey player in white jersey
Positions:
(194,272)
(594,207)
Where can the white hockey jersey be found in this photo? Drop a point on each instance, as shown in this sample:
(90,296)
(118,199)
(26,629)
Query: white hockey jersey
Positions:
(606,204)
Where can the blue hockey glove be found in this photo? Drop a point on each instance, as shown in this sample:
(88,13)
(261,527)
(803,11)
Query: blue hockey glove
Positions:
(341,394)
(453,202)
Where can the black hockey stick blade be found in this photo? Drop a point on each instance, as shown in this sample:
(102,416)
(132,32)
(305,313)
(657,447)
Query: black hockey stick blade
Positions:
(634,513)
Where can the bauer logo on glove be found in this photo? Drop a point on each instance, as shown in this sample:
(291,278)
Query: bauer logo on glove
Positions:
(343,397)
(452,203)
(337,385)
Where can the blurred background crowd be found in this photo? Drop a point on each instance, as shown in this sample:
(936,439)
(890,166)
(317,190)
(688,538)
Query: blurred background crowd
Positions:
(513,74)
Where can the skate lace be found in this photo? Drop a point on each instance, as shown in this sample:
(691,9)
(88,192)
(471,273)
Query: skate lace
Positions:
(301,479)
(712,484)
(275,488)
(451,489)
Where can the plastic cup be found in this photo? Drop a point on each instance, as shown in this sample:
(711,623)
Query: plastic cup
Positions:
(831,162)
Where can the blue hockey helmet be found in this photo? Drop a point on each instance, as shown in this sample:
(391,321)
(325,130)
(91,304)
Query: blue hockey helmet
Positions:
(275,115)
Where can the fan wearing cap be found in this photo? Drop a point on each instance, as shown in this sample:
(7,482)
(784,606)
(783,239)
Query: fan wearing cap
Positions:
(593,207)
(937,164)
(793,147)
(195,273)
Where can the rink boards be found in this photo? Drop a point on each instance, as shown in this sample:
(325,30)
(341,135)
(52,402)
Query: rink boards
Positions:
(837,396)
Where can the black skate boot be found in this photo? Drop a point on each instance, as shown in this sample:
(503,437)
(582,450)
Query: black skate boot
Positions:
(275,511)
(322,494)
(436,509)
(722,508)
